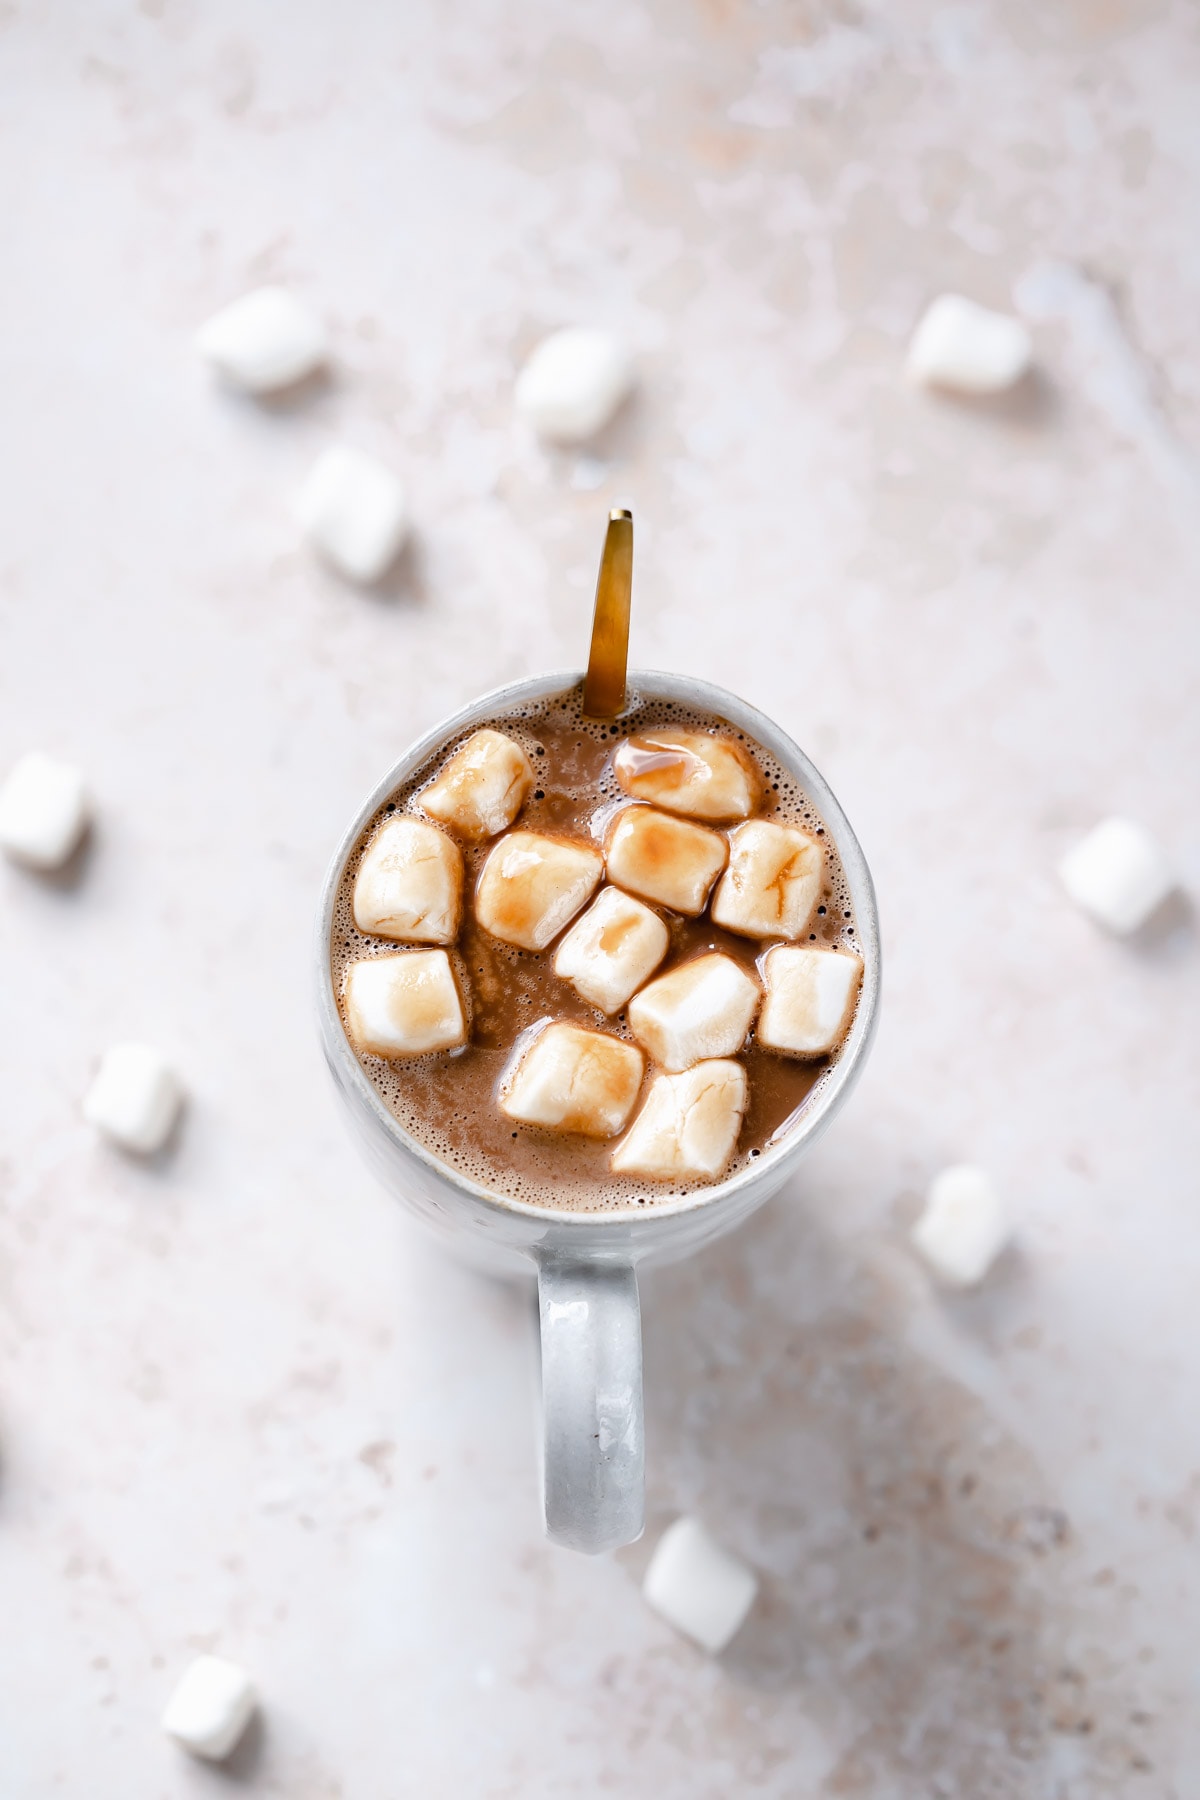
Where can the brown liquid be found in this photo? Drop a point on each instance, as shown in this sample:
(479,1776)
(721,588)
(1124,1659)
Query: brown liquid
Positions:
(448,1102)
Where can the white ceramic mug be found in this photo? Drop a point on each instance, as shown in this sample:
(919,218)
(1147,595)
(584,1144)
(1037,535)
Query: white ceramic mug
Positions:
(587,1262)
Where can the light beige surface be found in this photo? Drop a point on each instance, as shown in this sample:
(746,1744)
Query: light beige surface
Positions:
(241,1407)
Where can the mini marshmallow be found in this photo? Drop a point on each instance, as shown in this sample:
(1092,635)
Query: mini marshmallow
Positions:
(1118,874)
(409,884)
(698,1587)
(773,881)
(210,1708)
(43,811)
(962,345)
(664,859)
(573,384)
(688,1125)
(608,953)
(569,1079)
(266,340)
(689,772)
(353,510)
(482,788)
(134,1099)
(699,1010)
(810,996)
(532,886)
(404,1005)
(962,1229)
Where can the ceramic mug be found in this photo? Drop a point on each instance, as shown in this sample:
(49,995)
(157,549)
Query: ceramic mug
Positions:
(587,1262)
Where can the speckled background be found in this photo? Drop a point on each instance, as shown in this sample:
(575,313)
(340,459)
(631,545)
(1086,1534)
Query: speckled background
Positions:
(242,1405)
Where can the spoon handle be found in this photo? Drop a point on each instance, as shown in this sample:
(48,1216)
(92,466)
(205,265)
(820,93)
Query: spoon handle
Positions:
(604,687)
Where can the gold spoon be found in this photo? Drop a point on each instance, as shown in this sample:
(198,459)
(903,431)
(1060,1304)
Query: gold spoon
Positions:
(604,685)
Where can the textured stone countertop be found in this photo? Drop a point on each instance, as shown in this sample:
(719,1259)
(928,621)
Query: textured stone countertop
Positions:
(242,1404)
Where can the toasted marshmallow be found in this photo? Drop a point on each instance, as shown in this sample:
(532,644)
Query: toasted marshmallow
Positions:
(963,1227)
(266,340)
(810,997)
(573,384)
(569,1079)
(404,1005)
(1118,874)
(699,1010)
(697,1586)
(664,859)
(210,1708)
(967,347)
(688,1125)
(482,788)
(531,886)
(409,884)
(689,772)
(773,881)
(608,953)
(353,511)
(134,1099)
(43,811)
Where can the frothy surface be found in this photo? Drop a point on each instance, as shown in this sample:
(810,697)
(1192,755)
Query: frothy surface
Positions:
(448,1102)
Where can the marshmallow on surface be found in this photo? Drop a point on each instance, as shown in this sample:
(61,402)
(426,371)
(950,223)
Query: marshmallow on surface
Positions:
(967,347)
(266,340)
(354,512)
(134,1099)
(700,1010)
(210,1708)
(43,811)
(407,1004)
(573,384)
(773,881)
(482,788)
(1119,874)
(697,1586)
(612,949)
(664,859)
(963,1227)
(688,1125)
(409,884)
(531,886)
(689,772)
(810,996)
(569,1079)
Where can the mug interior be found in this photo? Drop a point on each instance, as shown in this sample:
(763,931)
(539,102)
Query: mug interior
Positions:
(832,1087)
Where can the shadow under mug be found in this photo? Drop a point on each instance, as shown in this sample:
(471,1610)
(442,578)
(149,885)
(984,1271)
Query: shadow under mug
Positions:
(587,1262)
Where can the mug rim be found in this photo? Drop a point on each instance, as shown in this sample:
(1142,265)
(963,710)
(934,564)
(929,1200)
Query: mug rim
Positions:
(830,1092)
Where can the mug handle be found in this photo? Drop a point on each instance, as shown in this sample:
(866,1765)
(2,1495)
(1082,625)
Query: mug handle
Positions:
(593,1445)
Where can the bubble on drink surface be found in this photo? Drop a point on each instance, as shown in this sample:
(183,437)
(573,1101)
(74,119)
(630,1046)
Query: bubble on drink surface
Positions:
(406,1089)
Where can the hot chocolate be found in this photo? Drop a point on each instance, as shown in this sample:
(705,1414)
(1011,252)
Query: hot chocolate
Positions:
(590,965)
